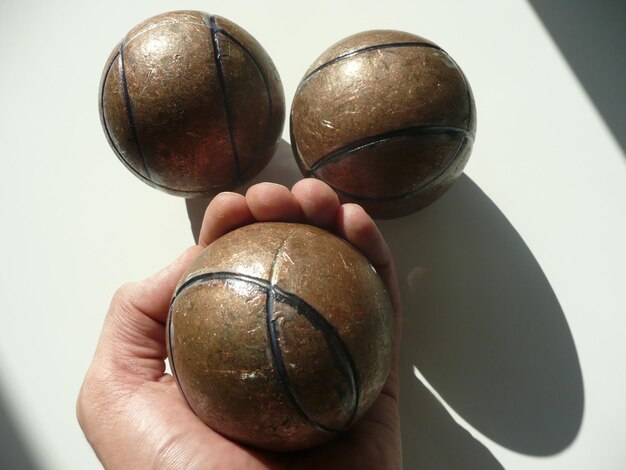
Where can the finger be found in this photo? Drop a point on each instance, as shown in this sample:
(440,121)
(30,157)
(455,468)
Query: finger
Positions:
(226,212)
(318,201)
(358,228)
(273,202)
(133,335)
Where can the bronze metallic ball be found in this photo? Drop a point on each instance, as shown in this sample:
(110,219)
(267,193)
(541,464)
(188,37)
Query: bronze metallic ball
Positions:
(191,103)
(386,118)
(280,335)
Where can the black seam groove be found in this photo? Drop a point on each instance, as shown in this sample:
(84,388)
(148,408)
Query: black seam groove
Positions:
(278,357)
(375,47)
(360,144)
(274,342)
(278,253)
(217,55)
(296,151)
(170,328)
(275,293)
(164,22)
(102,116)
(117,151)
(406,195)
(112,142)
(259,69)
(129,111)
(340,353)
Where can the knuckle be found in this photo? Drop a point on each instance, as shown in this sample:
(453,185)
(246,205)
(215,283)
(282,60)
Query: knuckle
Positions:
(85,401)
(125,293)
(97,398)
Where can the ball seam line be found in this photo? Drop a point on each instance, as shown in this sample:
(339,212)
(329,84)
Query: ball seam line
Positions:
(165,22)
(277,256)
(279,364)
(375,47)
(105,125)
(272,334)
(129,111)
(170,336)
(355,146)
(261,73)
(315,318)
(339,352)
(217,55)
(117,151)
(409,194)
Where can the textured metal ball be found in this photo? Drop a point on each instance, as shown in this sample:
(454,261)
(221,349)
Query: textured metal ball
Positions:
(280,335)
(386,118)
(191,103)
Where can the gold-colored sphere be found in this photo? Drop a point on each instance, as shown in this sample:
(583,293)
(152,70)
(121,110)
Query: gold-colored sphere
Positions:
(191,103)
(386,118)
(280,335)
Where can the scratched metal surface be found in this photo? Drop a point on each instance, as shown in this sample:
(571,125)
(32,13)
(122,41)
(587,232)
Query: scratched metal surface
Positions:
(512,281)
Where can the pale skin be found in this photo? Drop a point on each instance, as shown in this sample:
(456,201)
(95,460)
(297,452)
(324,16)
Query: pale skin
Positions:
(131,410)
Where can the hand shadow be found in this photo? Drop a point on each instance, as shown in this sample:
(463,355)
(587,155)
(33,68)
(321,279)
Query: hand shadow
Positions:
(281,169)
(484,327)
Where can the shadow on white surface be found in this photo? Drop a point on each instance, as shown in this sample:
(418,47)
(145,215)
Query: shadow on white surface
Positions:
(482,325)
(590,35)
(431,438)
(485,329)
(13,453)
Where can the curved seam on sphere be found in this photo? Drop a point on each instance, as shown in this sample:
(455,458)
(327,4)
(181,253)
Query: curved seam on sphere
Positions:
(225,98)
(469,113)
(279,252)
(170,327)
(469,96)
(296,150)
(158,25)
(277,356)
(360,144)
(375,47)
(152,183)
(116,150)
(315,318)
(228,35)
(129,111)
(102,114)
(252,57)
(271,329)
(467,87)
(185,192)
(406,195)
(260,70)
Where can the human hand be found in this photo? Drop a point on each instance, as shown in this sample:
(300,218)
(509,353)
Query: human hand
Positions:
(132,412)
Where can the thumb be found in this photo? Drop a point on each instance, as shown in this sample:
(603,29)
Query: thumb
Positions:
(133,335)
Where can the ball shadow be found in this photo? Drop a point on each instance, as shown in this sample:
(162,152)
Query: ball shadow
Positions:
(431,438)
(484,327)
(14,452)
(281,169)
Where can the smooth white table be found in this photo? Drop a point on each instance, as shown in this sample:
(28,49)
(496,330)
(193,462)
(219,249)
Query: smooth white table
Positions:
(513,282)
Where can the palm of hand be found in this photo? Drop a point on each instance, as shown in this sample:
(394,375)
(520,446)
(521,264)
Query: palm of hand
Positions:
(132,412)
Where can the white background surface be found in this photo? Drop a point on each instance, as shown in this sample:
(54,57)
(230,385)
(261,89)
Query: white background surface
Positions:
(513,282)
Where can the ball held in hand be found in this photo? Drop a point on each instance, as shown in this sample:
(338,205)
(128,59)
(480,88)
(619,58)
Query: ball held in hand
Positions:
(280,335)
